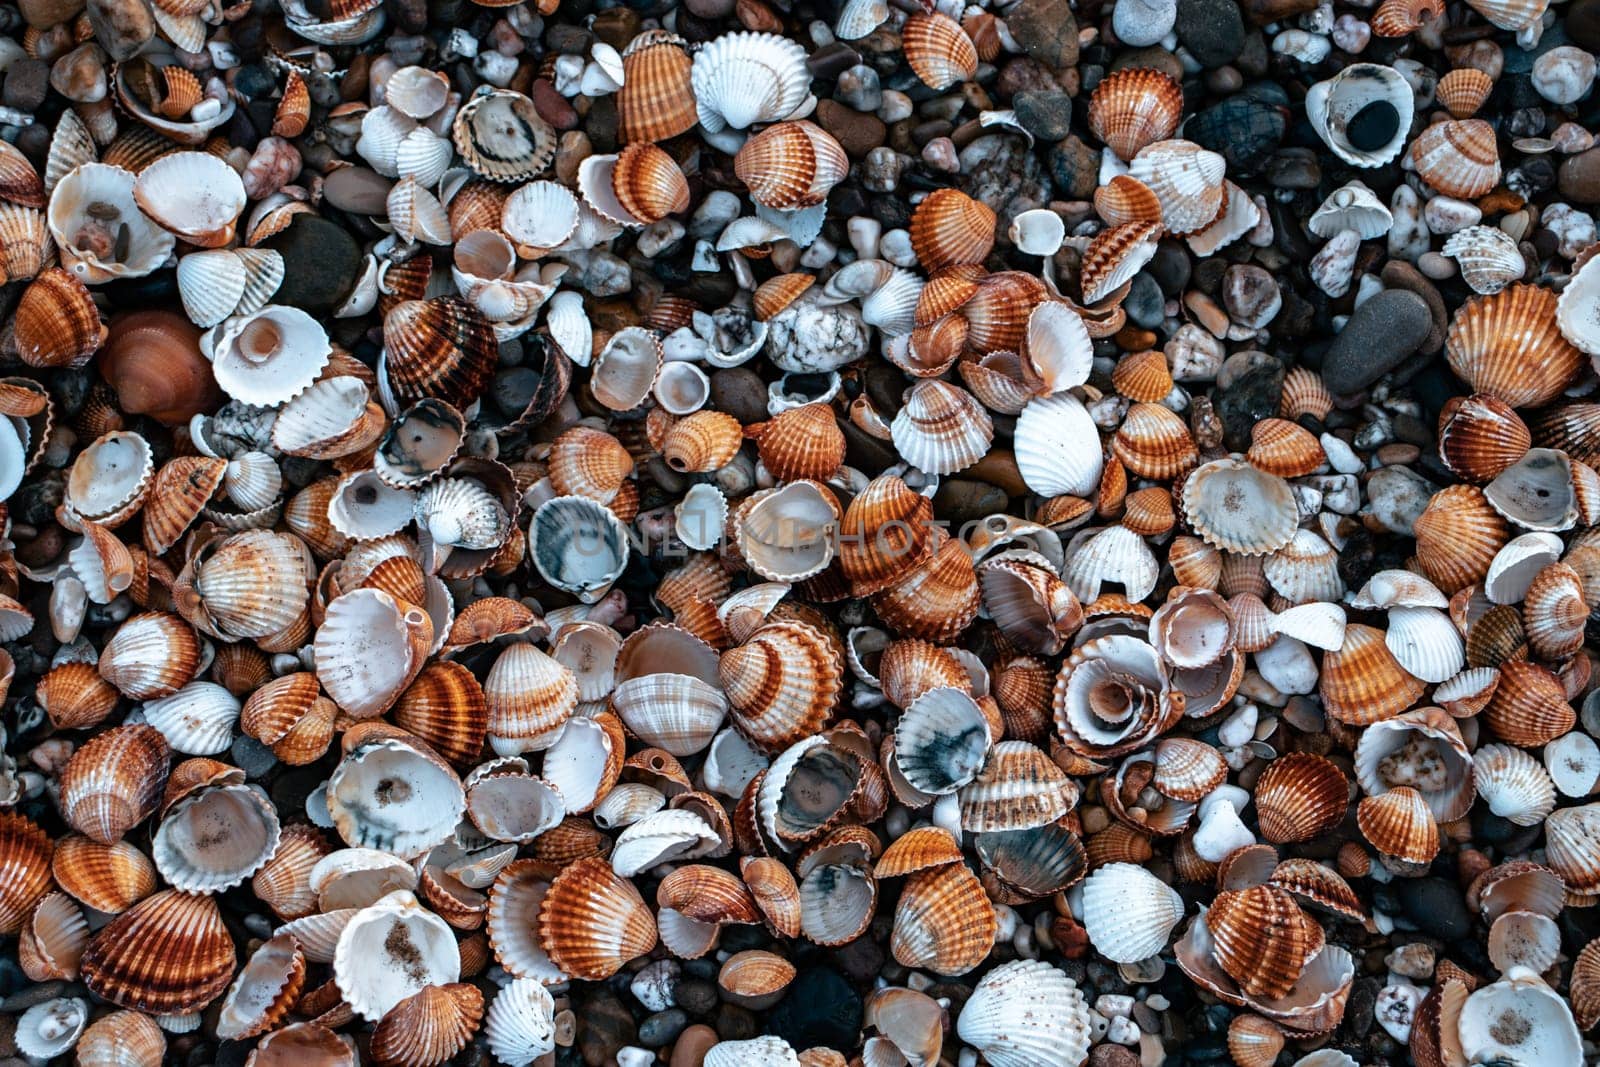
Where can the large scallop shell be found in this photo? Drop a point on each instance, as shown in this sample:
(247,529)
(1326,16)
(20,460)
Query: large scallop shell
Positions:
(114,782)
(441,348)
(1128,912)
(1025,1013)
(938,50)
(949,227)
(790,165)
(168,955)
(1238,508)
(592,921)
(657,99)
(943,922)
(1509,345)
(743,78)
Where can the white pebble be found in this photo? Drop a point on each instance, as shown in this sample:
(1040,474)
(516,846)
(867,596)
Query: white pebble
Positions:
(1123,1031)
(1341,457)
(1287,666)
(1564,75)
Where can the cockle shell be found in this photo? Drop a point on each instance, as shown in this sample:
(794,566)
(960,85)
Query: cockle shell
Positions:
(743,78)
(1024,1013)
(1133,108)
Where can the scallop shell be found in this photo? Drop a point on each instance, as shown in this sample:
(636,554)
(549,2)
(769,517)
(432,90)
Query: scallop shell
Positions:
(943,923)
(941,428)
(114,782)
(1488,258)
(592,922)
(56,323)
(502,137)
(1363,683)
(1459,157)
(1134,107)
(406,949)
(1513,784)
(1399,824)
(195,195)
(942,741)
(1528,707)
(1480,436)
(25,854)
(441,348)
(741,79)
(520,1026)
(938,50)
(782,684)
(1458,535)
(1263,939)
(1058,446)
(1211,496)
(657,98)
(369,648)
(1025,1013)
(949,227)
(578,545)
(428,1027)
(790,165)
(1186,179)
(170,954)
(1300,797)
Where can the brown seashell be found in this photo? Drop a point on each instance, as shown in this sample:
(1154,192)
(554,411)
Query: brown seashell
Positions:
(293,113)
(802,442)
(1362,683)
(755,979)
(264,991)
(122,1039)
(114,782)
(1399,18)
(169,955)
(1508,345)
(1554,612)
(181,490)
(1458,535)
(1126,199)
(649,184)
(944,921)
(1496,637)
(1143,376)
(1584,991)
(53,939)
(440,348)
(938,50)
(656,100)
(1135,107)
(937,600)
(791,165)
(1263,939)
(776,895)
(153,361)
(75,697)
(428,1027)
(446,708)
(180,92)
(1462,91)
(1300,797)
(1114,255)
(1148,512)
(951,228)
(782,684)
(1195,563)
(106,878)
(1572,428)
(291,716)
(907,669)
(922,848)
(1529,707)
(592,922)
(1321,885)
(947,289)
(1304,394)
(778,292)
(1285,448)
(19,182)
(1480,436)
(1254,1041)
(1153,442)
(997,315)
(284,881)
(477,205)
(1459,158)
(885,533)
(703,442)
(588,462)
(25,855)
(56,323)
(1399,824)
(492,617)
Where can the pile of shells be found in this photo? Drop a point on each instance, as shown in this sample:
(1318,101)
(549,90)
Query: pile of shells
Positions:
(773,534)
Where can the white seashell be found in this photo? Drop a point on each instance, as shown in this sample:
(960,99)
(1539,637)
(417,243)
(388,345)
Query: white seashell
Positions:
(268,356)
(578,545)
(461,513)
(744,78)
(1399,589)
(213,839)
(318,934)
(1026,1013)
(1059,348)
(99,229)
(1128,912)
(1488,258)
(1318,624)
(196,195)
(1518,1020)
(626,368)
(1578,310)
(520,1025)
(749,232)
(731,763)
(383,129)
(1352,206)
(576,763)
(416,92)
(1239,216)
(1426,643)
(197,720)
(1332,104)
(1058,447)
(942,741)
(892,306)
(788,534)
(676,712)
(416,215)
(626,804)
(1573,761)
(754,1052)
(661,838)
(514,807)
(328,411)
(388,794)
(364,508)
(1536,492)
(700,516)
(595,184)
(681,388)
(540,215)
(1333,267)
(1511,14)
(857,18)
(211,284)
(1117,555)
(390,951)
(569,326)
(589,650)
(1513,784)
(368,649)
(50,1028)
(1186,179)
(1516,565)
(1524,939)
(423,156)
(1037,232)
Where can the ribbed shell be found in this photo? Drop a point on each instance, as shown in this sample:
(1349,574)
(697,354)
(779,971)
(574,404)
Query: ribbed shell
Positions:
(938,50)
(501,136)
(1362,683)
(592,922)
(1153,442)
(656,100)
(1480,436)
(107,878)
(529,696)
(428,1027)
(886,531)
(802,442)
(949,227)
(703,442)
(1508,345)
(114,781)
(56,322)
(1399,824)
(446,707)
(169,955)
(1529,707)
(937,600)
(1300,797)
(944,922)
(1018,789)
(1126,199)
(1458,534)
(439,348)
(1135,107)
(1459,158)
(782,684)
(1026,1013)
(25,854)
(1263,939)
(1241,510)
(1554,612)
(791,165)
(941,428)
(122,1039)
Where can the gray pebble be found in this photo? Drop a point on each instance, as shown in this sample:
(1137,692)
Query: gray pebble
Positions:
(1378,337)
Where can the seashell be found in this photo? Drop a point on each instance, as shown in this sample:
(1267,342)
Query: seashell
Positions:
(51,1027)
(114,781)
(501,136)
(788,166)
(578,545)
(942,741)
(1115,255)
(1128,912)
(801,443)
(938,50)
(90,210)
(529,697)
(441,348)
(943,922)
(1425,643)
(1528,706)
(284,881)
(27,241)
(1554,612)
(937,600)
(194,195)
(1399,824)
(110,479)
(754,979)
(289,715)
(409,949)
(949,227)
(429,1026)
(520,1026)
(25,860)
(941,428)
(419,444)
(1334,105)
(1254,1041)
(106,878)
(193,858)
(1458,535)
(267,985)
(703,442)
(1352,206)
(52,939)
(1210,496)
(1186,179)
(1263,940)
(1019,789)
(169,954)
(741,79)
(1126,199)
(1133,108)
(626,368)
(1363,683)
(1285,449)
(415,214)
(781,684)
(153,361)
(1058,447)
(388,793)
(1488,258)
(1024,1013)
(369,649)
(1153,442)
(676,712)
(1480,436)
(297,1042)
(123,1039)
(539,215)
(1535,369)
(1300,797)
(592,921)
(56,323)
(1037,232)
(1513,784)
(1463,91)
(1536,491)
(266,357)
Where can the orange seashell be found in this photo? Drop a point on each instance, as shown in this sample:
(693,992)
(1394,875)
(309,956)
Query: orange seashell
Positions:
(950,228)
(123,1039)
(1135,107)
(180,92)
(168,955)
(1254,1041)
(1319,884)
(446,708)
(937,600)
(1149,512)
(56,323)
(997,315)
(1304,394)
(703,442)
(885,533)
(114,782)
(284,881)
(1554,612)
(1508,345)
(25,854)
(153,361)
(777,293)
(755,979)
(1143,376)
(922,848)
(19,182)
(1300,797)
(1126,199)
(938,50)
(648,183)
(1458,535)
(1262,939)
(1362,683)
(291,716)
(428,1027)
(1529,707)
(944,921)
(181,490)
(75,697)
(791,165)
(1399,824)
(1459,158)
(907,669)
(656,100)
(293,113)
(1480,436)
(1114,256)
(592,922)
(106,878)
(947,289)
(1572,428)
(1584,991)
(1462,91)
(477,205)
(53,939)
(1153,442)
(782,684)
(1284,448)
(1399,18)
(440,348)
(588,462)
(802,442)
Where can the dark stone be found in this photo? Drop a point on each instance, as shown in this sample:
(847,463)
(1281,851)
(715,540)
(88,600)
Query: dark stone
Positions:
(961,500)
(1373,126)
(1579,177)
(252,757)
(820,1008)
(832,60)
(1244,130)
(1074,169)
(1247,400)
(1398,274)
(734,1023)
(1145,303)
(27,84)
(662,1028)
(1583,24)
(552,106)
(865,452)
(695,995)
(857,132)
(1211,30)
(358,190)
(321,262)
(1047,31)
(1379,336)
(604,1027)
(1435,906)
(740,392)
(1170,268)
(1048,116)
(1358,1010)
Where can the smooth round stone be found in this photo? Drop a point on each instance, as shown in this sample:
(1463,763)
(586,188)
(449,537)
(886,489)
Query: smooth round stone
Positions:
(358,190)
(321,262)
(661,1028)
(1435,906)
(1579,177)
(692,1046)
(963,500)
(1244,130)
(1212,30)
(1378,337)
(1373,126)
(1145,303)
(1143,22)
(1074,169)
(1046,115)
